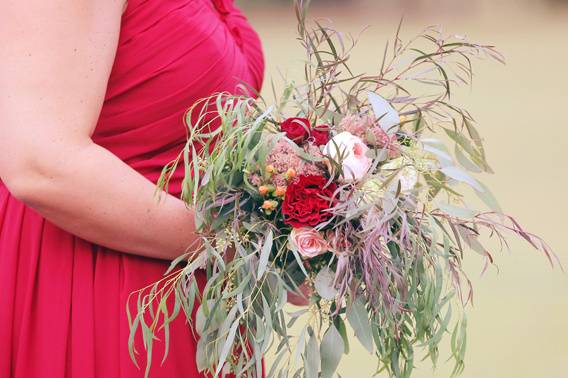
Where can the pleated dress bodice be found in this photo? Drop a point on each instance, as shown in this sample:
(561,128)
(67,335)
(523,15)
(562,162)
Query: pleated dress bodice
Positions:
(171,54)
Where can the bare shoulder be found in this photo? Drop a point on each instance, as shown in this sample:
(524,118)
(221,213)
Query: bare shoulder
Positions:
(55,60)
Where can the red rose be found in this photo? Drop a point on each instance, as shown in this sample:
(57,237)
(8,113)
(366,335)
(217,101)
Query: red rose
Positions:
(306,201)
(320,135)
(297,129)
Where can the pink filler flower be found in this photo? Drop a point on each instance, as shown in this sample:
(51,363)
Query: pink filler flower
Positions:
(364,126)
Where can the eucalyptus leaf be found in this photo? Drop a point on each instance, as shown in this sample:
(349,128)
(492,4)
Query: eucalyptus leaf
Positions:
(488,198)
(265,254)
(443,157)
(459,175)
(201,355)
(359,321)
(228,346)
(324,283)
(465,162)
(313,359)
(456,211)
(331,350)
(208,317)
(340,325)
(300,345)
(389,118)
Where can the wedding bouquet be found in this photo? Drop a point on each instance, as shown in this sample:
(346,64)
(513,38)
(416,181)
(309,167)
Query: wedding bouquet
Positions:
(347,191)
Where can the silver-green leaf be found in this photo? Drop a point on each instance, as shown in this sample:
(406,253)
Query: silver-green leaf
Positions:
(324,284)
(357,317)
(313,359)
(331,350)
(264,255)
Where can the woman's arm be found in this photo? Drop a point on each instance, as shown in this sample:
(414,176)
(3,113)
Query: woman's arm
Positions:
(55,60)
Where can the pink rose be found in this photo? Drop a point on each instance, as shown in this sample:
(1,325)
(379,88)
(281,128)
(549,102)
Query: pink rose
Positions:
(308,242)
(351,152)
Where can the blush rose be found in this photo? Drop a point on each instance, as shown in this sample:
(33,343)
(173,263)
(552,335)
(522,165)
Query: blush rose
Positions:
(351,152)
(308,242)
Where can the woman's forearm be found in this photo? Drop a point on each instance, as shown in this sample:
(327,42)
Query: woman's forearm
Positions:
(89,192)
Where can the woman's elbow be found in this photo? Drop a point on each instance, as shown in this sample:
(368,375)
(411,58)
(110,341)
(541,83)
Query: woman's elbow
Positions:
(37,173)
(19,185)
(25,180)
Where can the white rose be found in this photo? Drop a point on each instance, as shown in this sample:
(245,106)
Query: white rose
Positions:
(351,152)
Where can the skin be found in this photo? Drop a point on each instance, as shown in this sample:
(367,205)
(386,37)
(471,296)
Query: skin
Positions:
(55,61)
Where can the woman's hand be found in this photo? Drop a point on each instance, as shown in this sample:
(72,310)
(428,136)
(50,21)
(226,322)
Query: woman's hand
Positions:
(56,58)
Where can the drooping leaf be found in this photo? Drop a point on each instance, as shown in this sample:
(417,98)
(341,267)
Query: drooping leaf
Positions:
(313,359)
(265,254)
(488,198)
(324,283)
(359,321)
(227,347)
(331,351)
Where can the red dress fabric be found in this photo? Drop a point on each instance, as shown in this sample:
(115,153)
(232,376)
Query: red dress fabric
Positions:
(63,299)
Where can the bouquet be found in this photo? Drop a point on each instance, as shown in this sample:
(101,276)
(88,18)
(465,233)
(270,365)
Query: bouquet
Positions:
(347,191)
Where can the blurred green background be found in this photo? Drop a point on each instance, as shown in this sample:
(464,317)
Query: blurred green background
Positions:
(518,326)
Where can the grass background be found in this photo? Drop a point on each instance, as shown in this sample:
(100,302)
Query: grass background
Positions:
(518,326)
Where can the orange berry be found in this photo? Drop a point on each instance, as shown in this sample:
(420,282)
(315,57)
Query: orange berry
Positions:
(290,173)
(280,191)
(263,190)
(269,205)
(270,169)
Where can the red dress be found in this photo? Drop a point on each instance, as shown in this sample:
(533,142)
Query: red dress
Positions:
(63,299)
